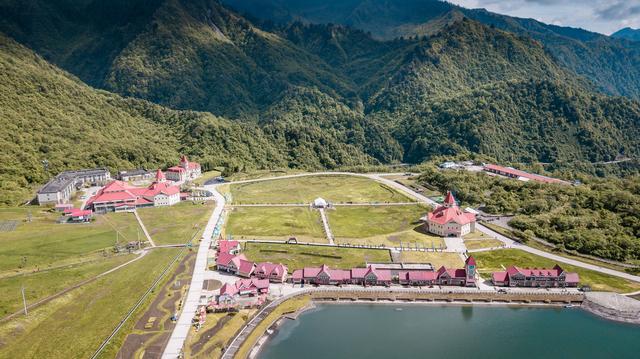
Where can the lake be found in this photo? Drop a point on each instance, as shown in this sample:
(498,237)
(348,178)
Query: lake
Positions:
(429,331)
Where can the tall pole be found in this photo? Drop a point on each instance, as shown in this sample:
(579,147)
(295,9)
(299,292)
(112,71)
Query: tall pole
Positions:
(24,301)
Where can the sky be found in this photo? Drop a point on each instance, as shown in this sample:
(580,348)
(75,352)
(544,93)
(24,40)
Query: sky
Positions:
(603,16)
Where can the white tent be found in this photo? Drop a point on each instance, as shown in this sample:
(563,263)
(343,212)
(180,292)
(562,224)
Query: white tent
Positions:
(320,203)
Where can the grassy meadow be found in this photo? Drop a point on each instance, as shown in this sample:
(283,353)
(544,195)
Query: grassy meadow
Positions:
(275,223)
(381,225)
(44,243)
(176,224)
(336,189)
(299,256)
(74,325)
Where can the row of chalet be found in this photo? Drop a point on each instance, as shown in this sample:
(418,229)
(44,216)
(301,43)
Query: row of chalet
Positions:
(372,276)
(545,278)
(231,261)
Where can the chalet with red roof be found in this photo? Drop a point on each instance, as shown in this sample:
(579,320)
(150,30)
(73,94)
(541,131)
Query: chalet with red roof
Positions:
(546,278)
(449,220)
(119,196)
(276,273)
(184,171)
(227,262)
(242,293)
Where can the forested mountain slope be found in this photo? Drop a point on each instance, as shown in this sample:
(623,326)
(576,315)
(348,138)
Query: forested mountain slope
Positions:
(294,94)
(47,114)
(612,64)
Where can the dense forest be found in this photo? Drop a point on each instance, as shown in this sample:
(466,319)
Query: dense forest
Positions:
(256,91)
(599,217)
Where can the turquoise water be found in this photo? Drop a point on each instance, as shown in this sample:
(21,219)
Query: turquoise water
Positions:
(383,331)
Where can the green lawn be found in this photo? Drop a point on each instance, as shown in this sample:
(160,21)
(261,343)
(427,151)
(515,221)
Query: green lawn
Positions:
(175,224)
(495,261)
(205,177)
(336,189)
(299,256)
(44,242)
(275,223)
(74,325)
(437,259)
(381,225)
(479,240)
(42,284)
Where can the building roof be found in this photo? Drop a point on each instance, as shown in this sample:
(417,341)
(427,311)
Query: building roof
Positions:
(418,275)
(68,178)
(470,261)
(499,276)
(227,246)
(160,176)
(449,200)
(450,212)
(452,272)
(246,266)
(176,169)
(518,173)
(118,191)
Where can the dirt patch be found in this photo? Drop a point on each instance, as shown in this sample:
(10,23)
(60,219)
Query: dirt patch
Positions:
(132,343)
(208,334)
(162,307)
(211,284)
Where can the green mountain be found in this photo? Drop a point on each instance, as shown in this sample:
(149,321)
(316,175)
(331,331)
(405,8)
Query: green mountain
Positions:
(612,64)
(627,33)
(50,115)
(298,94)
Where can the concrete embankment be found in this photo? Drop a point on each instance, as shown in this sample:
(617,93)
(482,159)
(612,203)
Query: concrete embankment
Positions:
(613,306)
(470,296)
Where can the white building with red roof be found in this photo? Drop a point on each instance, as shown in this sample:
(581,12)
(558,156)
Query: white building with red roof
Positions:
(120,196)
(185,171)
(276,273)
(449,220)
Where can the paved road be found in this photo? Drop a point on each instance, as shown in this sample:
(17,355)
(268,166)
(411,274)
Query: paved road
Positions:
(181,330)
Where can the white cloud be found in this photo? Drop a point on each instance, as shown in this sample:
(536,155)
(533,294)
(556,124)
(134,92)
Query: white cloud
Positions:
(604,16)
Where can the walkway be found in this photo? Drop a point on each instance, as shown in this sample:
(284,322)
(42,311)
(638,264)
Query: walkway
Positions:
(181,330)
(144,229)
(325,225)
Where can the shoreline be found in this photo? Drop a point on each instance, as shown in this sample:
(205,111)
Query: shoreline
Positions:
(268,336)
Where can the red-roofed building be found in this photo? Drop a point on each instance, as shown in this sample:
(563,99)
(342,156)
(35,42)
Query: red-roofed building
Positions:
(119,196)
(227,262)
(185,171)
(525,277)
(231,293)
(78,215)
(521,175)
(417,278)
(246,268)
(449,220)
(232,247)
(276,273)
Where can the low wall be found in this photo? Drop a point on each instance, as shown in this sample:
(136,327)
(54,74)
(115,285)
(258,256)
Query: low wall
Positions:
(446,296)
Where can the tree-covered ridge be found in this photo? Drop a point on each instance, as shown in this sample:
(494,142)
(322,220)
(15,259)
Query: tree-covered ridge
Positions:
(198,55)
(599,217)
(49,115)
(612,64)
(532,121)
